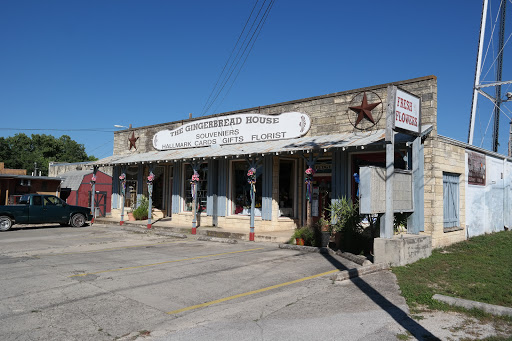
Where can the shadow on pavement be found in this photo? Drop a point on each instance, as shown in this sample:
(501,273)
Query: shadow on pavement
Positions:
(417,330)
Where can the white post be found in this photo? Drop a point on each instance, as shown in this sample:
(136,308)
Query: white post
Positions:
(477,72)
(387,232)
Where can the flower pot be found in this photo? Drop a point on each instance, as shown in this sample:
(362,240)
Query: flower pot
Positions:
(326,236)
(299,241)
(130,216)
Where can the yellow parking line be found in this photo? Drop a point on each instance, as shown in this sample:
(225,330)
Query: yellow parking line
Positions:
(111,248)
(250,293)
(166,262)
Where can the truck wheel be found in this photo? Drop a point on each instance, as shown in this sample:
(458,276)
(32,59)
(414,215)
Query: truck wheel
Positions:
(78,220)
(5,223)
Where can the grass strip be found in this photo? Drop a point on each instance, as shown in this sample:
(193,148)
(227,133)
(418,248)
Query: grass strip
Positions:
(479,269)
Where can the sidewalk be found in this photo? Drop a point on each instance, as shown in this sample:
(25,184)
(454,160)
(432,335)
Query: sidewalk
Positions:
(211,231)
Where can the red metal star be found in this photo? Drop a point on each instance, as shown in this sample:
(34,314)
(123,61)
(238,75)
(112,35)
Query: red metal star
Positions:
(132,140)
(364,110)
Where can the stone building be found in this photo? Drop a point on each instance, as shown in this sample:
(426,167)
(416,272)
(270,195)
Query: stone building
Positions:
(336,135)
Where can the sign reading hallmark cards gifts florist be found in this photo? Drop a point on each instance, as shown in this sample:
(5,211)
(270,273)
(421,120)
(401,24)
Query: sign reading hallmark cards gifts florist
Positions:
(232,129)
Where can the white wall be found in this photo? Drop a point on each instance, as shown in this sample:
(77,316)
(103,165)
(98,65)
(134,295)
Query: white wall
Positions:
(488,207)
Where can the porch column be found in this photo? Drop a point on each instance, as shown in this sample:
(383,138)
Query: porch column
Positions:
(151,177)
(309,172)
(193,187)
(251,179)
(122,181)
(93,192)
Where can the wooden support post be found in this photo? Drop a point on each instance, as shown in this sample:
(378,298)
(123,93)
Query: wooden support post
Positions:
(195,166)
(93,192)
(151,177)
(254,163)
(122,180)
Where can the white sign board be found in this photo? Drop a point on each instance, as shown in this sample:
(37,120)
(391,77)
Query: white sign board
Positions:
(233,129)
(407,111)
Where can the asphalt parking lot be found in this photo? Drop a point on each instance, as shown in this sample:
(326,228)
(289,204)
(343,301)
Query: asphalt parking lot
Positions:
(102,282)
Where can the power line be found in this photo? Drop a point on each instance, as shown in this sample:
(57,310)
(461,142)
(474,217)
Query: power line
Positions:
(102,130)
(244,49)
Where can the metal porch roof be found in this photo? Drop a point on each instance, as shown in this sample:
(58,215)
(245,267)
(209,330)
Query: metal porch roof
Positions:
(73,179)
(346,140)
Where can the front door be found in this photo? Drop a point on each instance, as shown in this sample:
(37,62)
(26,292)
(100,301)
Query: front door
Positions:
(53,211)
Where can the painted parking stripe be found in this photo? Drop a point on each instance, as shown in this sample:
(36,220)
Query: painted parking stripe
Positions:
(166,262)
(202,305)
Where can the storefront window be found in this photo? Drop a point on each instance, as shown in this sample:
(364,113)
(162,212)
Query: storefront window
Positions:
(286,188)
(241,190)
(131,187)
(158,188)
(202,187)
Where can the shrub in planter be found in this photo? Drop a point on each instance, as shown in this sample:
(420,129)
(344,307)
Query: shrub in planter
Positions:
(306,234)
(141,212)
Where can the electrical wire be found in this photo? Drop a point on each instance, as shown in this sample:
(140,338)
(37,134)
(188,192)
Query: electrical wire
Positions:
(229,58)
(243,51)
(103,130)
(240,69)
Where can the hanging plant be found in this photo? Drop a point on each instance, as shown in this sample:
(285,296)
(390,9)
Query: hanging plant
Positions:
(251,176)
(151,177)
(251,179)
(122,178)
(309,182)
(193,184)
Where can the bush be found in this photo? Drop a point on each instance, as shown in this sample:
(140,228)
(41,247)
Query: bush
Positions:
(141,212)
(307,234)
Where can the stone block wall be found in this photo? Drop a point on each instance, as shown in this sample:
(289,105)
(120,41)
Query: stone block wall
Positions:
(329,113)
(442,156)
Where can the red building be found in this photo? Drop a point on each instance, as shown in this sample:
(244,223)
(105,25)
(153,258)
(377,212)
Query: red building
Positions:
(76,190)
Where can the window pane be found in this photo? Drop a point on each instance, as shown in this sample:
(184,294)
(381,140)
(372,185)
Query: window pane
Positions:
(242,189)
(202,187)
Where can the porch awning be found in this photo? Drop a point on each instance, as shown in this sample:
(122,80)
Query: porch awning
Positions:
(305,144)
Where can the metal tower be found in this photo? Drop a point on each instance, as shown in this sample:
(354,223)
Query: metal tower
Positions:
(478,87)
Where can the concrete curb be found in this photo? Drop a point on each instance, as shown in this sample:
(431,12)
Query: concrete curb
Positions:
(361,260)
(305,248)
(143,230)
(365,270)
(488,308)
(217,239)
(171,234)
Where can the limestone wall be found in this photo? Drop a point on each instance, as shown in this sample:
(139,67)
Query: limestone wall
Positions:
(329,113)
(442,156)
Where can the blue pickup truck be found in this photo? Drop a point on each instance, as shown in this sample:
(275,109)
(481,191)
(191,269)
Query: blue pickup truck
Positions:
(43,209)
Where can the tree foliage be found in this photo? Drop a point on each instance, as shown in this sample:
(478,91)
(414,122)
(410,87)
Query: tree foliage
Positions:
(22,152)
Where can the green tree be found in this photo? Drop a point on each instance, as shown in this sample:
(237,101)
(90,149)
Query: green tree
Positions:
(22,152)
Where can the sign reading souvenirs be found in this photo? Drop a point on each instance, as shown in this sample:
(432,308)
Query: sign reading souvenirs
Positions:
(476,169)
(232,129)
(407,111)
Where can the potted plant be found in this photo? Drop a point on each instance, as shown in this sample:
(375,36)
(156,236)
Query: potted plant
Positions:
(323,232)
(346,224)
(141,212)
(304,236)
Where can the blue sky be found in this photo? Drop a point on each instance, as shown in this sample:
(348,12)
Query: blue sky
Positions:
(84,66)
